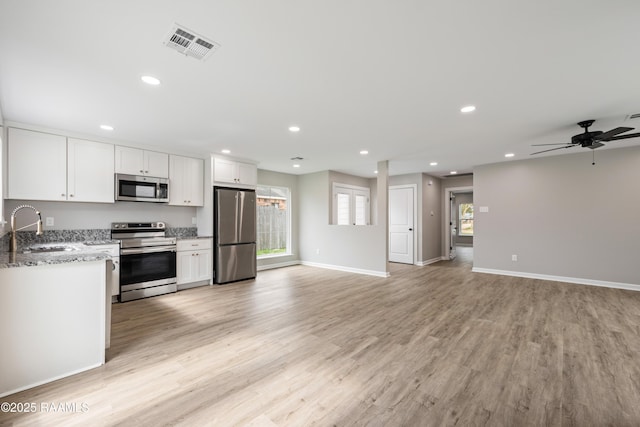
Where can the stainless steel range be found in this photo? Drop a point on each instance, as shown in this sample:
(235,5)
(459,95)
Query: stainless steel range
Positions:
(147,259)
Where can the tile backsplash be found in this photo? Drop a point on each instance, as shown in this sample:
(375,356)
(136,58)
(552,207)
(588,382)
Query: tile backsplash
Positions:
(28,238)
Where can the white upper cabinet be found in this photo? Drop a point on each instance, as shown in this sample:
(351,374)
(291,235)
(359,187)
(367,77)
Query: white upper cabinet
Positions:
(89,171)
(43,166)
(37,165)
(134,161)
(235,174)
(186,181)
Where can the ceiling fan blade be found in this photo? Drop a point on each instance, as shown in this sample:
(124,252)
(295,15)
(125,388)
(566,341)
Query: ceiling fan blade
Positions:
(610,134)
(552,149)
(540,145)
(631,135)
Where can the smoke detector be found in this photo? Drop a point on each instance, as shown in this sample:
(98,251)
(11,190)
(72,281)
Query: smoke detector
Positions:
(190,43)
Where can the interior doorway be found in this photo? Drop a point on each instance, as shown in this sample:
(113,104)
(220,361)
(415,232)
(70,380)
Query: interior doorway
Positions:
(402,228)
(454,223)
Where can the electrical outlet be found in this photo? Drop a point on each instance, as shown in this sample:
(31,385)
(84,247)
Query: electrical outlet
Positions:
(194,220)
(317,251)
(48,221)
(514,257)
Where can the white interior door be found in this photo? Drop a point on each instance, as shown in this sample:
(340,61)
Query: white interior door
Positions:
(401,225)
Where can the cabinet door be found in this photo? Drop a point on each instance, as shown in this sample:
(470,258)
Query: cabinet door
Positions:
(225,170)
(194,179)
(37,165)
(247,174)
(90,171)
(204,267)
(156,164)
(129,160)
(185,267)
(177,196)
(186,181)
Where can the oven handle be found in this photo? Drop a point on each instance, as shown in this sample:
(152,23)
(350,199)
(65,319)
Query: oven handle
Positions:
(147,250)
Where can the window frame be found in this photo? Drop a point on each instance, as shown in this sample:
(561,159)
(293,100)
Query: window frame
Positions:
(352,191)
(288,250)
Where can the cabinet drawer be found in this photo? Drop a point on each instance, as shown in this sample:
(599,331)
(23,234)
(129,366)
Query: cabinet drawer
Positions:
(193,244)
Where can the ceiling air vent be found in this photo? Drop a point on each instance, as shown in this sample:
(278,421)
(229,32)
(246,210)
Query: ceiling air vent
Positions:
(458,174)
(190,43)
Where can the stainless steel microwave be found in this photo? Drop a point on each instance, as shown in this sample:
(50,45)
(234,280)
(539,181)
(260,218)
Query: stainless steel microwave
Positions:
(135,188)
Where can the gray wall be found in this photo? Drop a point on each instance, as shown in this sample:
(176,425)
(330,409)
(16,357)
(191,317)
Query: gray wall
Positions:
(277,179)
(353,247)
(431,218)
(460,199)
(78,216)
(561,216)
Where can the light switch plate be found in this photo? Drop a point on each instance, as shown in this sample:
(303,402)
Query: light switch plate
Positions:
(48,221)
(484,208)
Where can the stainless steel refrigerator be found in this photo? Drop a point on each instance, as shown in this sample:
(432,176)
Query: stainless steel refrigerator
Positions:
(234,234)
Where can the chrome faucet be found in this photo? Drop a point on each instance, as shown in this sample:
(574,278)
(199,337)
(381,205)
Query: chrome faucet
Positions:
(13,244)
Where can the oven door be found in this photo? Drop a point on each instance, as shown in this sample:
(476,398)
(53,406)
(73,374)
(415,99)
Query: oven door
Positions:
(147,267)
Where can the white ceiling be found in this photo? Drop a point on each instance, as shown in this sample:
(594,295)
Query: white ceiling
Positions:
(386,76)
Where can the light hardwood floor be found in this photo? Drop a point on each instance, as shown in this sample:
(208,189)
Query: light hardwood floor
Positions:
(299,346)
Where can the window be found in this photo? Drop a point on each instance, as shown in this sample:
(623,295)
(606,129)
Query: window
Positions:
(350,205)
(466,219)
(273,215)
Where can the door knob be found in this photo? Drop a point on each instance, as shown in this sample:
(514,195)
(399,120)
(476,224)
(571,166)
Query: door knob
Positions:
(411,229)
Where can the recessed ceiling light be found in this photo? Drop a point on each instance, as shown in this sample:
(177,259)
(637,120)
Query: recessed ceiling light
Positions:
(468,109)
(453,172)
(225,151)
(150,80)
(509,155)
(106,127)
(294,128)
(434,163)
(375,171)
(296,165)
(364,152)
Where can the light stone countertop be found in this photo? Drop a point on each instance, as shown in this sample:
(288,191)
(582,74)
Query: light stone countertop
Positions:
(81,253)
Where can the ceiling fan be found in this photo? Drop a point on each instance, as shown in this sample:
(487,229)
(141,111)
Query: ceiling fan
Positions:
(593,139)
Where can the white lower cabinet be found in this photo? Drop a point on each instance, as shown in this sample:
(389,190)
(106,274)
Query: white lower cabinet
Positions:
(194,262)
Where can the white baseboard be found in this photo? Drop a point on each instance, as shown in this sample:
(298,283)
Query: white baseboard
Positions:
(430,261)
(277,265)
(184,286)
(347,269)
(575,280)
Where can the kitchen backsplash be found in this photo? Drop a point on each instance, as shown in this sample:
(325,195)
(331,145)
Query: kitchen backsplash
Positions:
(28,238)
(182,232)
